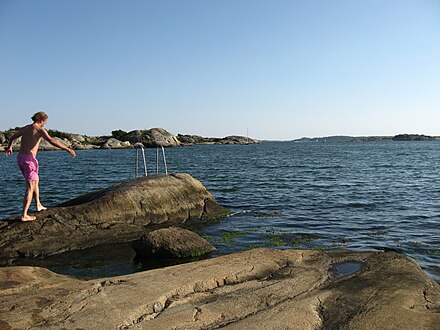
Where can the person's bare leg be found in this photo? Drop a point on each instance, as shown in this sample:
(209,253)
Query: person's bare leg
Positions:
(30,187)
(40,206)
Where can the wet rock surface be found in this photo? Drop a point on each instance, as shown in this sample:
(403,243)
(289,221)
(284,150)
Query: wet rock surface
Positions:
(256,289)
(119,213)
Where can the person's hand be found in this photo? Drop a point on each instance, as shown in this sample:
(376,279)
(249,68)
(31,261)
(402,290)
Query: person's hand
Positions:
(8,152)
(72,152)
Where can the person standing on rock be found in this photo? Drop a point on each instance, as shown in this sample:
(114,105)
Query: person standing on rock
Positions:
(31,136)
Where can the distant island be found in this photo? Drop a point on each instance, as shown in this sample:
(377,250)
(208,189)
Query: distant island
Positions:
(342,138)
(153,137)
(120,139)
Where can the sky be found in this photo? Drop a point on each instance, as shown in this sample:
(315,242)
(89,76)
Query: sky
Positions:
(272,69)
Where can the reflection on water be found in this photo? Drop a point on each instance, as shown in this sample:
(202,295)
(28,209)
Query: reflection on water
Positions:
(101,261)
(346,268)
(361,196)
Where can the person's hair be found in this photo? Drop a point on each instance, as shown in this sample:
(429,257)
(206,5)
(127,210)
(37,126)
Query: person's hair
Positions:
(39,116)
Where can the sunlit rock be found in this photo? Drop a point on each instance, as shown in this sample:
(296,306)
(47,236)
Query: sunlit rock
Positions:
(256,289)
(172,242)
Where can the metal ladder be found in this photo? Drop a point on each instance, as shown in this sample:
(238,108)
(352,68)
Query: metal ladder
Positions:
(140,146)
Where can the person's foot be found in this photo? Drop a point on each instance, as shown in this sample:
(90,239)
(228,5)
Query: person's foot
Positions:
(40,207)
(27,217)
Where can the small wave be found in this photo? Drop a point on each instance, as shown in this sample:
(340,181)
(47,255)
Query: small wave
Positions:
(360,205)
(322,186)
(226,189)
(420,217)
(389,249)
(256,214)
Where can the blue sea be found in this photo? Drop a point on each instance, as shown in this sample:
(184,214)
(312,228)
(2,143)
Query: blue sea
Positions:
(375,196)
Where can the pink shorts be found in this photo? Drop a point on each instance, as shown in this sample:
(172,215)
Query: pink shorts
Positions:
(28,165)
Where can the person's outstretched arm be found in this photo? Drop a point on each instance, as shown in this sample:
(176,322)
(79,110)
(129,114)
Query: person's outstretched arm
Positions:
(12,139)
(55,143)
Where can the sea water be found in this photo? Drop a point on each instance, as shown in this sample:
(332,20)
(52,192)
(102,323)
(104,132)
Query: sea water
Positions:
(375,196)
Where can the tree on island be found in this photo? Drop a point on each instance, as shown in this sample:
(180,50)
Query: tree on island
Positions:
(119,134)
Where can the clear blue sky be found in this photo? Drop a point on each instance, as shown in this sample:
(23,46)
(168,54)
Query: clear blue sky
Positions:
(280,69)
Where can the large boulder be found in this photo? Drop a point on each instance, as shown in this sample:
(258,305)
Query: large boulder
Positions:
(113,143)
(2,138)
(78,138)
(257,289)
(152,137)
(118,213)
(83,146)
(163,138)
(172,242)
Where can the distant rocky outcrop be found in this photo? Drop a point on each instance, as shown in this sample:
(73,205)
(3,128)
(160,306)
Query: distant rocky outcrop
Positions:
(233,139)
(44,145)
(119,213)
(415,137)
(113,143)
(236,139)
(152,137)
(83,146)
(371,139)
(120,139)
(172,242)
(340,139)
(256,289)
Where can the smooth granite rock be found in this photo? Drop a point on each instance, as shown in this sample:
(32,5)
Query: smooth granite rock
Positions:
(113,143)
(78,137)
(152,137)
(83,146)
(171,242)
(119,213)
(256,289)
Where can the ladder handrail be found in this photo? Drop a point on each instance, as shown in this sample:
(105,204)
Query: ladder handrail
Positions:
(138,146)
(141,146)
(164,160)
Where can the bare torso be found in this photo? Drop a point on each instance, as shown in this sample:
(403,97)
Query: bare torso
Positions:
(30,139)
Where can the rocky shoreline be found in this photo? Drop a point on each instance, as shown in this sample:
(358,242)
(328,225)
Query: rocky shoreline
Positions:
(255,289)
(120,139)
